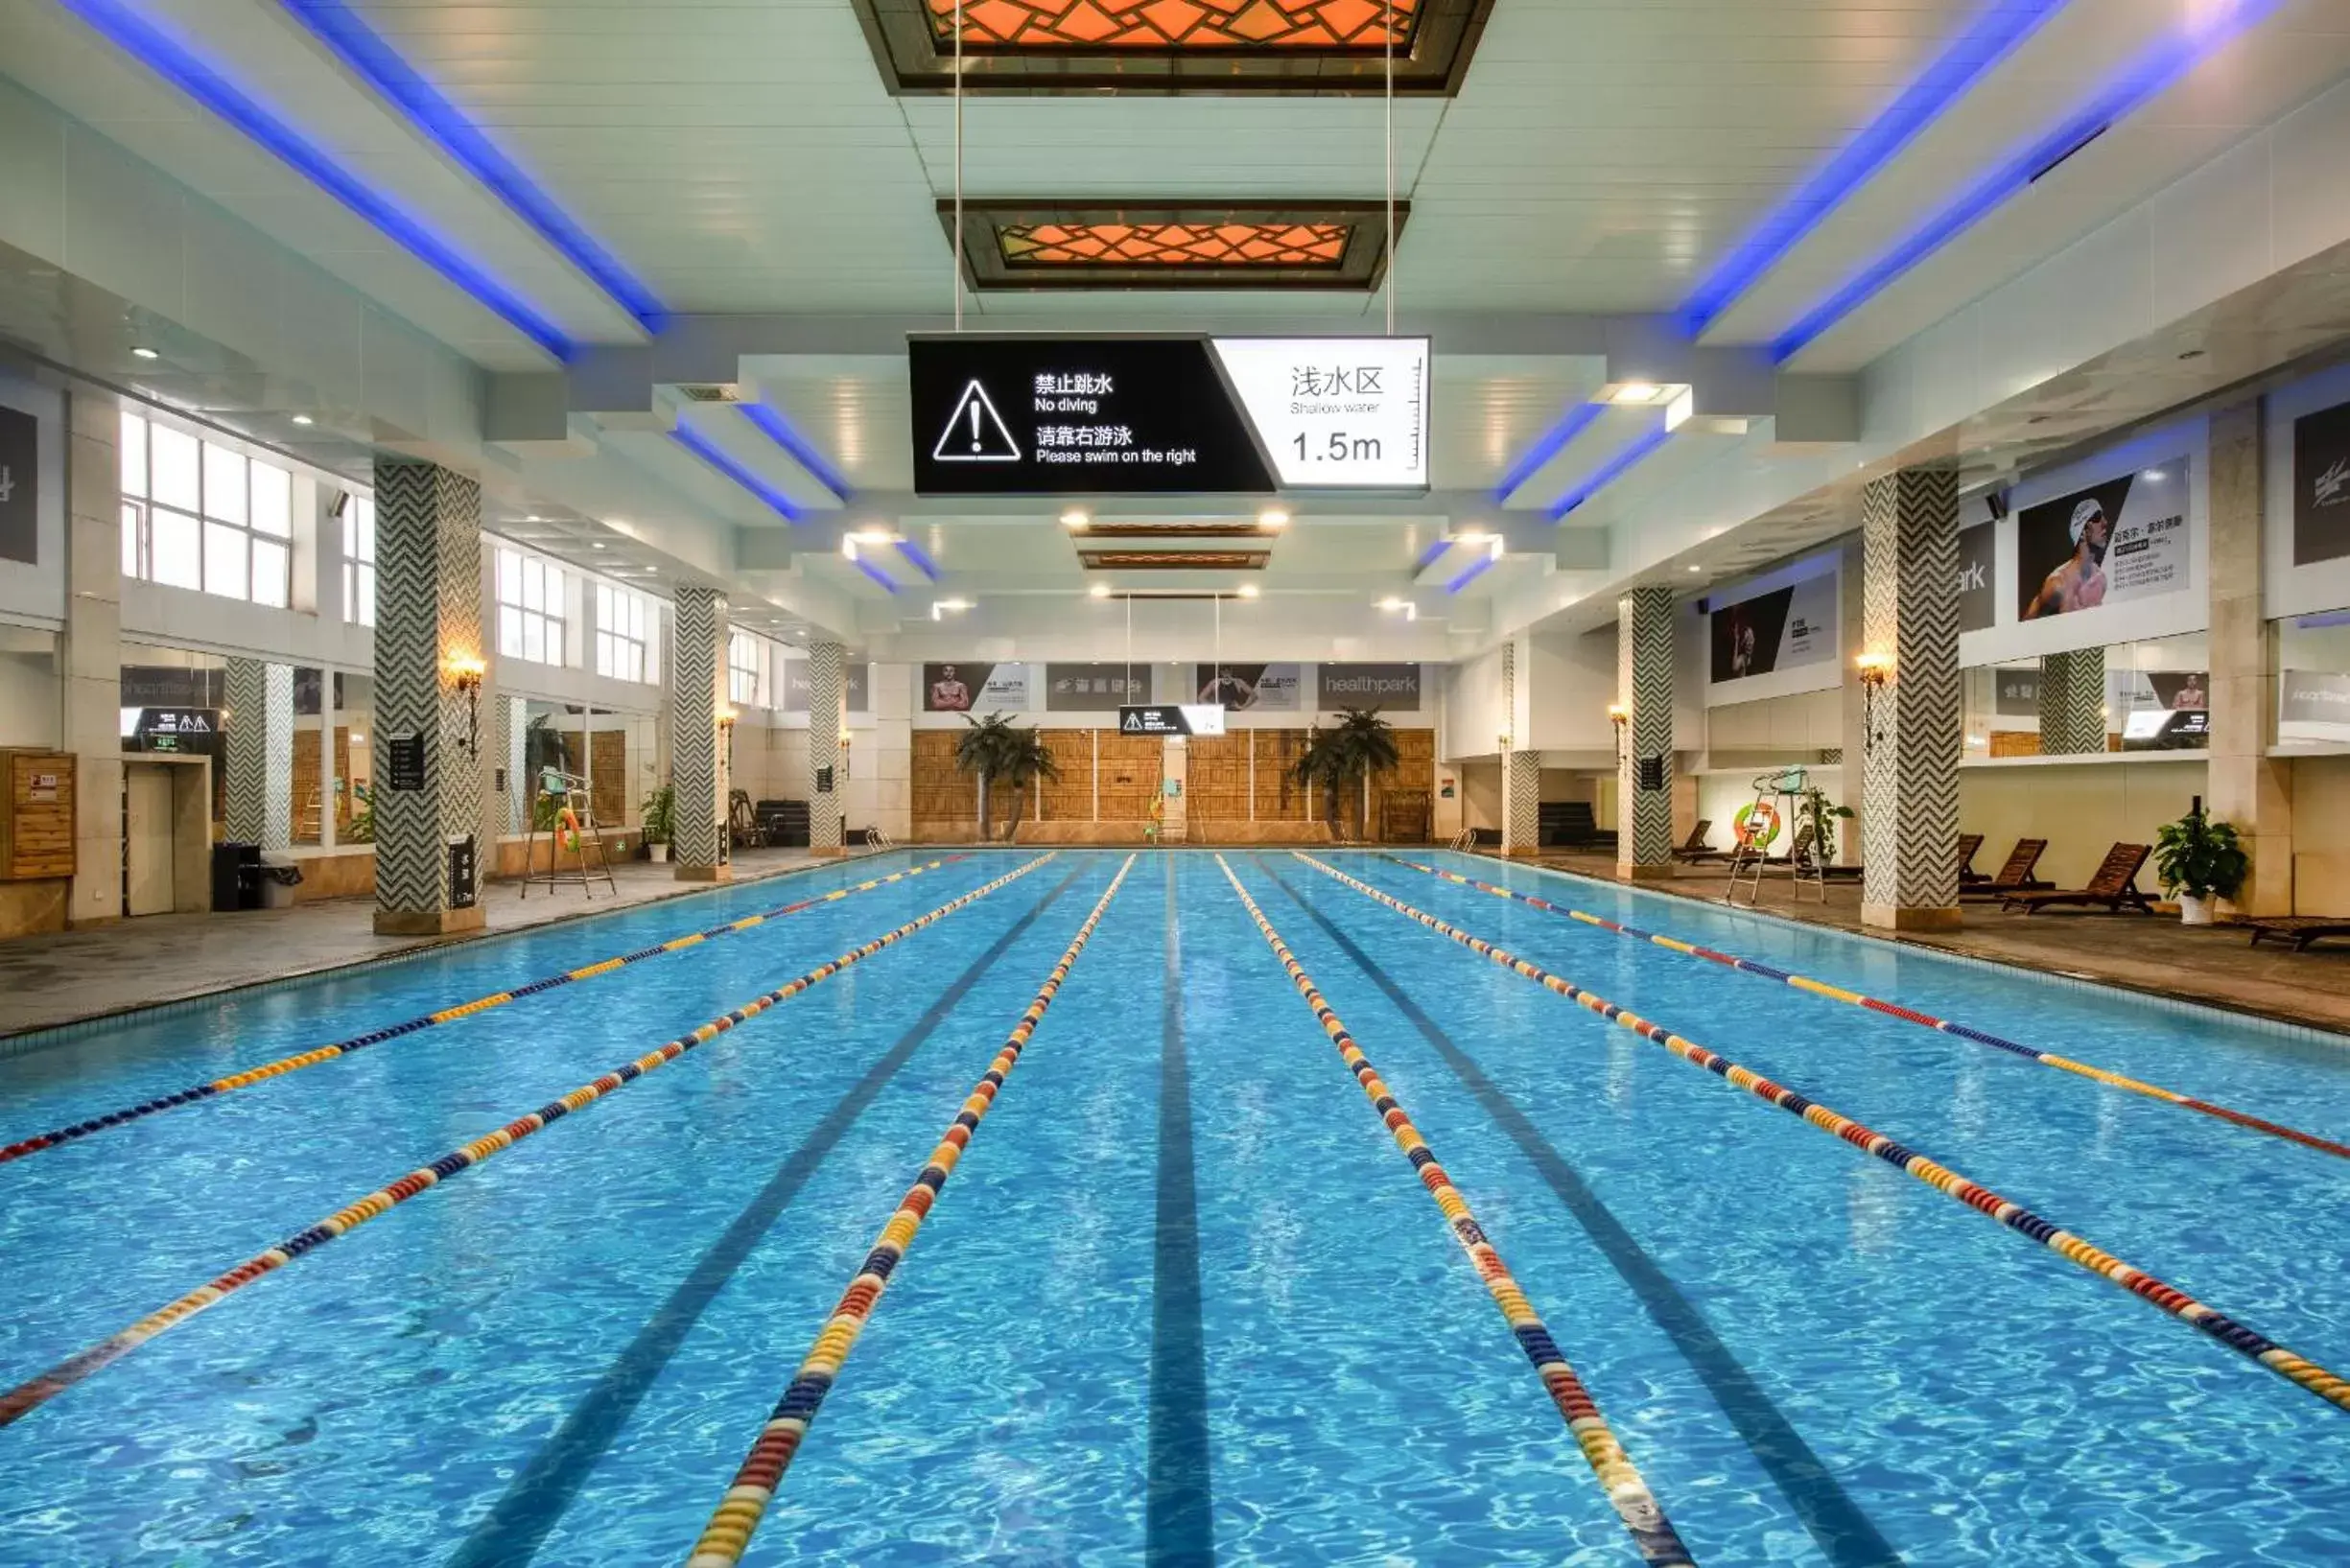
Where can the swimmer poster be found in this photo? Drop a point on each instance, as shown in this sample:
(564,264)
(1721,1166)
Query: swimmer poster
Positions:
(1779,628)
(975,685)
(2322,485)
(2120,540)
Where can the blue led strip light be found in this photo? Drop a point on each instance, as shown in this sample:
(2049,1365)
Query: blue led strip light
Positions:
(1428,556)
(1997,30)
(920,557)
(2149,75)
(1555,440)
(1610,470)
(1483,564)
(776,427)
(364,52)
(709,452)
(184,69)
(888,583)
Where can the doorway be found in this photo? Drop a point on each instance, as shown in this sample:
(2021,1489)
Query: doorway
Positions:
(148,843)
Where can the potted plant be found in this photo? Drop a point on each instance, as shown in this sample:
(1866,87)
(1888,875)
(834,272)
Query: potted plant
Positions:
(660,811)
(1359,745)
(2199,860)
(1822,818)
(998,750)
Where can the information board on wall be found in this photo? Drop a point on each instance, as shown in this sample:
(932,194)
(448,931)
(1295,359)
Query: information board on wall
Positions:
(1390,688)
(975,687)
(1260,689)
(2110,543)
(1779,628)
(1069,416)
(2322,485)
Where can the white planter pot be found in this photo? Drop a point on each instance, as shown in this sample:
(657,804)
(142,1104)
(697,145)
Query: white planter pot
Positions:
(658,853)
(2194,911)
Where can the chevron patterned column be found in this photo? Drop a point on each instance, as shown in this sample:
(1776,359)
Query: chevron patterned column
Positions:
(2071,702)
(697,745)
(827,685)
(428,597)
(257,773)
(1910,824)
(1644,685)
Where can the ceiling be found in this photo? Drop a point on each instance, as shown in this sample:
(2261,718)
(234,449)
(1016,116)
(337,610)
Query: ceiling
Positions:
(749,165)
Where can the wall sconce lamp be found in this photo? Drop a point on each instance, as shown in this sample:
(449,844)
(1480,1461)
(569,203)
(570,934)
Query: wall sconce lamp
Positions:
(468,672)
(1875,670)
(1619,717)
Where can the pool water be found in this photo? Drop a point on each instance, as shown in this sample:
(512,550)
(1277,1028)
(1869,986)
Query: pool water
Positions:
(1182,1301)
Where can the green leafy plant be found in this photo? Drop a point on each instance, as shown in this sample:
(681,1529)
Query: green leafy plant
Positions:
(2199,858)
(1816,813)
(361,828)
(660,810)
(1359,745)
(997,751)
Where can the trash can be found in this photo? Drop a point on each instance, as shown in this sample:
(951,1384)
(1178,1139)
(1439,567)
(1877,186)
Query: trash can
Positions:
(236,877)
(279,877)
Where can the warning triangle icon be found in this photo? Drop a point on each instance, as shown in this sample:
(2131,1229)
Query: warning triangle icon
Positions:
(1134,721)
(975,433)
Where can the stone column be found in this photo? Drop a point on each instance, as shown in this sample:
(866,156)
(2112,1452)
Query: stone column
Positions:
(697,753)
(428,605)
(1852,718)
(257,777)
(2247,787)
(1521,770)
(2072,718)
(1910,828)
(92,691)
(1644,772)
(828,687)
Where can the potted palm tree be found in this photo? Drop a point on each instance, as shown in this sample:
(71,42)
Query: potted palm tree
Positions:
(660,813)
(2197,860)
(997,751)
(1359,745)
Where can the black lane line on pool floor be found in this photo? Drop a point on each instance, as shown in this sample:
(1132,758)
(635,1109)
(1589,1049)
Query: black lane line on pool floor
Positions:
(539,1495)
(1178,1530)
(1843,1532)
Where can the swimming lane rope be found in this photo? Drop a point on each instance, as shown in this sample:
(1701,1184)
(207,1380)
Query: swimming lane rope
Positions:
(25,1398)
(217,1087)
(1821,988)
(2316,1379)
(728,1534)
(1650,1531)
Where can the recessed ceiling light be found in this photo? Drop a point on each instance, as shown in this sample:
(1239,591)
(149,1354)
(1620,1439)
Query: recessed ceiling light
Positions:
(1634,392)
(1697,568)
(1248,590)
(1075,519)
(535,518)
(1100,589)
(1273,517)
(301,419)
(145,354)
(595,544)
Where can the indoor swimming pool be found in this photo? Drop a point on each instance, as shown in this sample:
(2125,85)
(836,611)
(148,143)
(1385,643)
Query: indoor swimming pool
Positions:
(1232,1207)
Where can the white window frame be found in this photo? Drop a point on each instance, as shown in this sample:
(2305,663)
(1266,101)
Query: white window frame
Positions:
(623,634)
(518,617)
(215,519)
(746,666)
(359,557)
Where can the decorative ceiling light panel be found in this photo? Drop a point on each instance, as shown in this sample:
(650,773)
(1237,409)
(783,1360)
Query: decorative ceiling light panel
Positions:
(1173,46)
(1026,245)
(1174,560)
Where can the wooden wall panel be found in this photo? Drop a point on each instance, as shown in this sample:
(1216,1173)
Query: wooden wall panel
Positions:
(1131,767)
(1069,797)
(1217,778)
(1413,781)
(946,802)
(36,814)
(1280,797)
(608,776)
(307,787)
(342,772)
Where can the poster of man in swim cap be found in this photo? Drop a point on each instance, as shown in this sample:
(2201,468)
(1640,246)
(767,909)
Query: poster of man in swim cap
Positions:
(2121,540)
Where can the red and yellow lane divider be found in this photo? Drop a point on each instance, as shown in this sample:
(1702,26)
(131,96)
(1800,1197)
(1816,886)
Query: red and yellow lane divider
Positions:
(217,1087)
(1634,1503)
(25,1398)
(728,1534)
(2317,1380)
(1821,988)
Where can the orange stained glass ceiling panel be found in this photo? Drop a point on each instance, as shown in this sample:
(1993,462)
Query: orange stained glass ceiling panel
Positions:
(1174,244)
(1178,24)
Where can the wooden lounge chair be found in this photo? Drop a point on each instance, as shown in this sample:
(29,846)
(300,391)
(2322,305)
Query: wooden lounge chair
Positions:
(2014,876)
(1799,857)
(1969,846)
(2114,889)
(2299,929)
(1695,848)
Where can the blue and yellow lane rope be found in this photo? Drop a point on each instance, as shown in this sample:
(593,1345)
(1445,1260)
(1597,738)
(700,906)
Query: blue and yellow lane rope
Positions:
(728,1534)
(1908,1014)
(213,1088)
(2276,1358)
(18,1402)
(1634,1503)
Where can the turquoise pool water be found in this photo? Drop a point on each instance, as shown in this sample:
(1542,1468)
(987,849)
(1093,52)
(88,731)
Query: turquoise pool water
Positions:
(1182,1301)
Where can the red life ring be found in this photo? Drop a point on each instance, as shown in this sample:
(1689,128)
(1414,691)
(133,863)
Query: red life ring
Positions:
(567,823)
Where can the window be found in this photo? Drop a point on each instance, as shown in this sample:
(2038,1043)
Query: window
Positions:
(531,593)
(199,515)
(621,637)
(742,669)
(359,559)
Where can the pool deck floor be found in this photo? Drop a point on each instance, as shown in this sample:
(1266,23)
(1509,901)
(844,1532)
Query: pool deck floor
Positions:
(2214,965)
(50,980)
